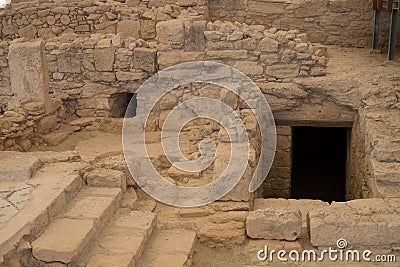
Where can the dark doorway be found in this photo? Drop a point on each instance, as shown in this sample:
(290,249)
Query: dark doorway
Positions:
(319,163)
(119,105)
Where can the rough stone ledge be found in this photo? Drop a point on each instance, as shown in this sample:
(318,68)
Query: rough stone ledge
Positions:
(363,222)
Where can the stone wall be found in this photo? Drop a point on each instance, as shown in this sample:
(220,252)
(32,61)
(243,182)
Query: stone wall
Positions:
(340,22)
(28,123)
(359,182)
(134,18)
(5,84)
(261,53)
(278,182)
(90,70)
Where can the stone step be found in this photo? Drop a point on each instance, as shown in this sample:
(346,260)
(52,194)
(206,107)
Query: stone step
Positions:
(122,241)
(17,165)
(73,231)
(106,178)
(169,248)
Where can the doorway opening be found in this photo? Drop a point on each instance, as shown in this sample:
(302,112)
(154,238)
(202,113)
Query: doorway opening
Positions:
(119,105)
(319,163)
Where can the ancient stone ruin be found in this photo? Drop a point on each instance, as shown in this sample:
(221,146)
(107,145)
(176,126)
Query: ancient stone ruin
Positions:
(70,72)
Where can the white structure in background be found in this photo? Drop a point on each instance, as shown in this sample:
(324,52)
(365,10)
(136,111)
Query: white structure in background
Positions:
(3,3)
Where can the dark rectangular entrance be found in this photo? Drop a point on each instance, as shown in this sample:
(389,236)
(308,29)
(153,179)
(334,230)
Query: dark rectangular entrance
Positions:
(319,163)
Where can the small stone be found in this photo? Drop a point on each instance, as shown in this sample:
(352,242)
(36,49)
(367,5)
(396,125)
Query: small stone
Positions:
(268,45)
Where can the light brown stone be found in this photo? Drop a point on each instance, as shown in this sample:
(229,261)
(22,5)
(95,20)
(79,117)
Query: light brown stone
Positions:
(63,240)
(106,178)
(143,221)
(68,63)
(17,166)
(29,31)
(170,248)
(28,69)
(129,28)
(274,224)
(103,260)
(268,45)
(145,59)
(104,59)
(99,209)
(171,34)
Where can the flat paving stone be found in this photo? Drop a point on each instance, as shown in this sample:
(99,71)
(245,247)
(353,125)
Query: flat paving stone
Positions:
(17,165)
(7,211)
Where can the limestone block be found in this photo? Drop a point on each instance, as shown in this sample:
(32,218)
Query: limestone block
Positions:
(130,76)
(55,138)
(47,123)
(166,59)
(271,223)
(45,33)
(148,29)
(60,10)
(94,103)
(28,32)
(143,221)
(132,3)
(268,45)
(170,248)
(195,40)
(100,76)
(28,70)
(106,178)
(68,63)
(283,71)
(171,34)
(227,228)
(249,67)
(63,240)
(104,59)
(187,3)
(268,7)
(363,222)
(123,260)
(282,96)
(145,59)
(270,59)
(97,208)
(168,102)
(129,28)
(227,54)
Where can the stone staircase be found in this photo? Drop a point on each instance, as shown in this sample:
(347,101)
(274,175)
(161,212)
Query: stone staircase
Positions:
(72,231)
(97,228)
(169,248)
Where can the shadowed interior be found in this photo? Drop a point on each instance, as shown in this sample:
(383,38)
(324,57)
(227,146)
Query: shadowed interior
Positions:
(319,163)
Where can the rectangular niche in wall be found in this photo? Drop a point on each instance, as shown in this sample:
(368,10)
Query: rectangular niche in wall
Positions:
(118,104)
(319,163)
